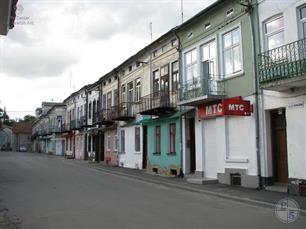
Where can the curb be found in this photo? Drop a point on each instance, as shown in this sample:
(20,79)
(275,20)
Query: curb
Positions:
(191,189)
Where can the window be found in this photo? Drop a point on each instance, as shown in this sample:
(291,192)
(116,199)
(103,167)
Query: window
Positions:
(89,143)
(164,78)
(137,139)
(207,25)
(230,12)
(174,42)
(70,147)
(115,92)
(138,90)
(116,140)
(302,21)
(130,68)
(122,141)
(155,81)
(175,75)
(172,133)
(94,107)
(123,92)
(66,144)
(109,100)
(232,52)
(109,147)
(190,35)
(157,139)
(191,65)
(104,101)
(209,54)
(89,110)
(154,54)
(274,32)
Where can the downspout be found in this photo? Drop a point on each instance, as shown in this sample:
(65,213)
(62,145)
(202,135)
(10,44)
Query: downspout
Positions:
(86,123)
(181,174)
(256,91)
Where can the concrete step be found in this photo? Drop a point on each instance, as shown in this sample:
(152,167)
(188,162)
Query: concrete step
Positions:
(202,180)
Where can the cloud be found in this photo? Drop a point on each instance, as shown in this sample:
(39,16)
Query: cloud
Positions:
(34,62)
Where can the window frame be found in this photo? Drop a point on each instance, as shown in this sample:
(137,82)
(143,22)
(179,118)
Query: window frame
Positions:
(157,140)
(267,35)
(194,64)
(221,52)
(172,136)
(175,72)
(122,141)
(155,80)
(208,43)
(137,90)
(302,34)
(137,138)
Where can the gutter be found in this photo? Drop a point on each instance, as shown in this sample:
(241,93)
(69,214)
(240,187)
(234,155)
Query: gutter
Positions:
(256,92)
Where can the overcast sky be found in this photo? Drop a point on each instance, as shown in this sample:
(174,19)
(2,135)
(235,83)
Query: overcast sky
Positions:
(54,39)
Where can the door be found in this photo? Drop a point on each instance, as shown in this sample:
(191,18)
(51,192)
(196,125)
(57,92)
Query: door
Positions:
(279,146)
(144,147)
(192,146)
(102,146)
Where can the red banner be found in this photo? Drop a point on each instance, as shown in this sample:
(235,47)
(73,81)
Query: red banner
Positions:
(231,106)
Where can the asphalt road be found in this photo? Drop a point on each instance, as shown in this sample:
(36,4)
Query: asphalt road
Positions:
(42,192)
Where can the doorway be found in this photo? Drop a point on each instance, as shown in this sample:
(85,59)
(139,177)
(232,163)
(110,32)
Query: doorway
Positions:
(192,146)
(279,146)
(144,147)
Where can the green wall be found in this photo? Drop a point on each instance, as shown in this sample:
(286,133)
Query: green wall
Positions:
(164,160)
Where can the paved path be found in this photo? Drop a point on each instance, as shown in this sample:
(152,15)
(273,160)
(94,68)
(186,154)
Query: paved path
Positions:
(42,192)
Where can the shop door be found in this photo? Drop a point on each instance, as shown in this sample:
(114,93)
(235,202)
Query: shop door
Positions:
(279,146)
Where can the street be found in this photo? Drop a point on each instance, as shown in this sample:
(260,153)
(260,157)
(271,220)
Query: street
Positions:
(41,192)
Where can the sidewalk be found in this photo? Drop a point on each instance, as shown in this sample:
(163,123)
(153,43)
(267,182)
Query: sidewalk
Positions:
(252,196)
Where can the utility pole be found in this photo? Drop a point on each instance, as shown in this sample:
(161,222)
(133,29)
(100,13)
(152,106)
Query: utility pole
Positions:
(182,10)
(151,31)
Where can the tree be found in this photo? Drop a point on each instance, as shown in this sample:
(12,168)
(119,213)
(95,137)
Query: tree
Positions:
(28,118)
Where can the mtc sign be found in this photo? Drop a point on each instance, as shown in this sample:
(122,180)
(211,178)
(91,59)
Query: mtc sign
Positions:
(231,106)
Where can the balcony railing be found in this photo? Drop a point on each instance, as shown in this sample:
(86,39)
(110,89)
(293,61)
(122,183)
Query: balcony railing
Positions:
(83,121)
(158,103)
(285,62)
(103,117)
(123,112)
(201,89)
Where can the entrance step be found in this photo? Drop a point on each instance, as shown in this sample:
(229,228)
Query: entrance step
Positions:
(202,180)
(278,188)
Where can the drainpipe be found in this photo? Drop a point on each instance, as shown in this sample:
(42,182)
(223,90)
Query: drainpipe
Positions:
(86,123)
(181,120)
(251,21)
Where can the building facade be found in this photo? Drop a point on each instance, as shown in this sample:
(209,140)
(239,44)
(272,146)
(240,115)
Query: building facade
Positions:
(217,81)
(282,80)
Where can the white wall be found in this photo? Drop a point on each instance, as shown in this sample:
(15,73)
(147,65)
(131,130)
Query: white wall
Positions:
(131,158)
(226,142)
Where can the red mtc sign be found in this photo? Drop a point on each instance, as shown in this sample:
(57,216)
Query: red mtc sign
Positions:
(231,106)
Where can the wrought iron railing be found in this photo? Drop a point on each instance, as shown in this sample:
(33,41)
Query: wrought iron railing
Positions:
(284,62)
(123,111)
(200,87)
(83,121)
(160,99)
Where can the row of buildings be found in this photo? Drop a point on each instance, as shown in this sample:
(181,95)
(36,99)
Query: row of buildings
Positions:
(219,98)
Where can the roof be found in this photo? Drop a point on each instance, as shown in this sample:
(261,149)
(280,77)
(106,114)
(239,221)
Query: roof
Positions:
(22,128)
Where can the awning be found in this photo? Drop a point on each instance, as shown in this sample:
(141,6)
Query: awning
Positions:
(173,116)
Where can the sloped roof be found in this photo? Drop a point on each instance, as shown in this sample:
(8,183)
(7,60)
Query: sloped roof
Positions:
(22,128)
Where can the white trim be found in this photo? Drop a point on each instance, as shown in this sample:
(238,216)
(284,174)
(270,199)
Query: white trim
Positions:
(222,68)
(237,160)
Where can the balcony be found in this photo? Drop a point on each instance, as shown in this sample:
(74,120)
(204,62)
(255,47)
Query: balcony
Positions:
(103,117)
(199,91)
(123,112)
(83,121)
(158,103)
(284,67)
(75,124)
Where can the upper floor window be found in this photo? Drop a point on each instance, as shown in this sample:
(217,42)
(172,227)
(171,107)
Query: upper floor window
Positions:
(89,110)
(109,100)
(175,75)
(209,54)
(138,90)
(164,78)
(116,97)
(274,32)
(191,68)
(232,51)
(302,21)
(155,81)
(123,93)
